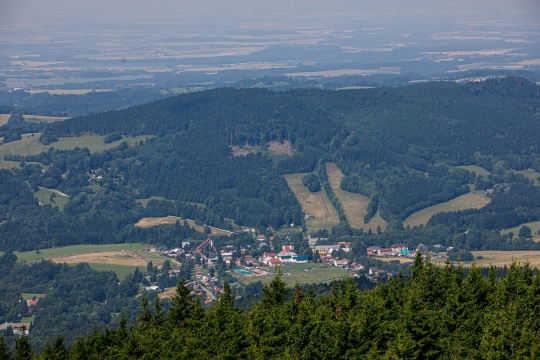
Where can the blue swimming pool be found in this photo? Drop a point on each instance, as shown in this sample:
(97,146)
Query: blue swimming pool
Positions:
(242,272)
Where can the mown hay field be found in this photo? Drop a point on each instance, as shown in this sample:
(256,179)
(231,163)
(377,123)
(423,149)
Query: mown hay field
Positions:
(501,258)
(169,220)
(354,205)
(315,204)
(474,200)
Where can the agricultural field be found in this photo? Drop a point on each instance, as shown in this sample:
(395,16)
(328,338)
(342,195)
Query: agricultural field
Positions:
(535,228)
(76,250)
(120,258)
(501,258)
(4,119)
(30,145)
(354,205)
(294,273)
(68,92)
(32,118)
(169,220)
(315,204)
(43,195)
(25,82)
(473,200)
(477,169)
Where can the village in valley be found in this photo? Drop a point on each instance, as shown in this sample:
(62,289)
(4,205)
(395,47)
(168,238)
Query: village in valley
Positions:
(259,262)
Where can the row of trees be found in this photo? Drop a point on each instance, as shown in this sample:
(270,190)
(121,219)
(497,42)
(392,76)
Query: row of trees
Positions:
(433,313)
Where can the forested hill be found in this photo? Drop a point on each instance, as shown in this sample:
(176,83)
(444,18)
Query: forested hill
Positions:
(227,149)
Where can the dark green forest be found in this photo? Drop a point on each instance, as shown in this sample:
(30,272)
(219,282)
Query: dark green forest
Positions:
(434,313)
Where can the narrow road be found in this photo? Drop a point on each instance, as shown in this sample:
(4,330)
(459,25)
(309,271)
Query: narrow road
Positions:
(208,291)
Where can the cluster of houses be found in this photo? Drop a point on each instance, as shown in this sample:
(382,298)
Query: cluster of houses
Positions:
(394,250)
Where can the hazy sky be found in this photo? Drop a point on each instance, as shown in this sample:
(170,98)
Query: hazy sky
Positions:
(70,10)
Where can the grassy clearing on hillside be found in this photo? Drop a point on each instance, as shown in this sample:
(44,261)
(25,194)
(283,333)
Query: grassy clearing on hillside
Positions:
(30,145)
(535,227)
(354,205)
(121,270)
(315,204)
(31,296)
(11,164)
(32,118)
(43,195)
(473,200)
(477,169)
(294,273)
(144,202)
(76,250)
(531,174)
(169,220)
(501,258)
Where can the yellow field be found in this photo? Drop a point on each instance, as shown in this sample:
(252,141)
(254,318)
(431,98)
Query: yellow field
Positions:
(155,221)
(354,205)
(110,257)
(315,204)
(4,119)
(501,258)
(474,200)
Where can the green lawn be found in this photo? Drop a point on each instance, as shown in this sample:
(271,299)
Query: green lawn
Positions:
(535,227)
(121,270)
(31,296)
(30,145)
(294,273)
(76,250)
(43,195)
(28,319)
(477,169)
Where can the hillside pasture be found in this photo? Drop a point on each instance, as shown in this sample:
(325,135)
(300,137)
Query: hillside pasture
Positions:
(535,228)
(76,250)
(477,169)
(43,195)
(30,145)
(354,205)
(315,204)
(530,174)
(170,220)
(473,200)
